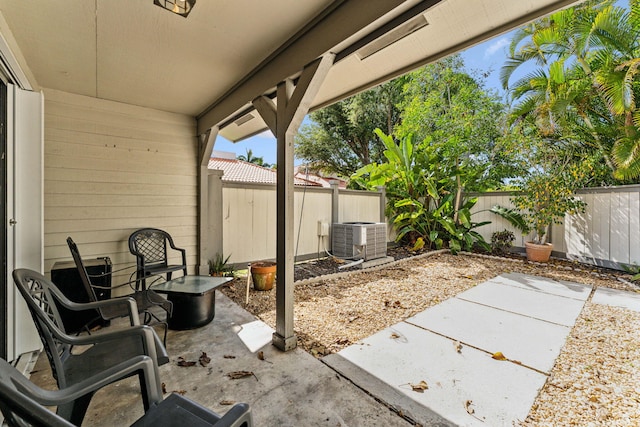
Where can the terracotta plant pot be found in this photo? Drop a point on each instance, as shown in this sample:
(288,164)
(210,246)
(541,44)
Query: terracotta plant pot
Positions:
(263,275)
(538,253)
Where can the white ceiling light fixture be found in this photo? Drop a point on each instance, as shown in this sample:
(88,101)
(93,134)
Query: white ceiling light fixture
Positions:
(179,7)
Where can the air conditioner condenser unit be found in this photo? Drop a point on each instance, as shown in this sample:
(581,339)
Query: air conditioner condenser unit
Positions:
(355,240)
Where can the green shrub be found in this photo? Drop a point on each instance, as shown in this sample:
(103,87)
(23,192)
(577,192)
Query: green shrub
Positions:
(502,241)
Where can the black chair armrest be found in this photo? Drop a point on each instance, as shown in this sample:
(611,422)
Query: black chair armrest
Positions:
(88,385)
(128,302)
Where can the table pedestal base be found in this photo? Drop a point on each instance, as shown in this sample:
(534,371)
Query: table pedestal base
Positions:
(191,310)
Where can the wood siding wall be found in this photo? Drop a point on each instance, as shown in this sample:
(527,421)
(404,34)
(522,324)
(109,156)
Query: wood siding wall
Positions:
(607,233)
(111,168)
(249,218)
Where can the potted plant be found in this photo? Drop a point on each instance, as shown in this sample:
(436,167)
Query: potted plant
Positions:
(263,274)
(545,197)
(218,266)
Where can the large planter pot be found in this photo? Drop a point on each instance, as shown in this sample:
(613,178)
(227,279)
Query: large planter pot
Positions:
(263,275)
(538,253)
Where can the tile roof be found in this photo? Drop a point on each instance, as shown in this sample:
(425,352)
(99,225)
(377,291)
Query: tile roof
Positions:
(240,171)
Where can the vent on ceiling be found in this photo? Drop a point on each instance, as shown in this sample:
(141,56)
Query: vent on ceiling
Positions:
(355,240)
(392,36)
(244,119)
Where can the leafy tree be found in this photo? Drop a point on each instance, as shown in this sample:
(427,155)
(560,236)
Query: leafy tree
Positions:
(585,84)
(456,124)
(341,139)
(460,122)
(250,158)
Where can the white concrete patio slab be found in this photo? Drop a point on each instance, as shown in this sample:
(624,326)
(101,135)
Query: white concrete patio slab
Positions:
(536,304)
(546,285)
(524,317)
(496,392)
(617,298)
(532,342)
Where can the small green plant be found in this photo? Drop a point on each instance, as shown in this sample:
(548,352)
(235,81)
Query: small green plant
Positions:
(632,269)
(502,241)
(218,266)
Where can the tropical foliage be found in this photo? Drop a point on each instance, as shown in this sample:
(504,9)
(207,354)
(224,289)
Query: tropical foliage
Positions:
(421,206)
(584,87)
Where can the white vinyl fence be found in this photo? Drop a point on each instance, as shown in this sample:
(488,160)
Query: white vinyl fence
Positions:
(606,234)
(249,218)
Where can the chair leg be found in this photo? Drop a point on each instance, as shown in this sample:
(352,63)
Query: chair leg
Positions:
(159,321)
(75,411)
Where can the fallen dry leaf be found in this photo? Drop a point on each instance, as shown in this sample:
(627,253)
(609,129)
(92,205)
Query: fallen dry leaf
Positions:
(204,359)
(420,387)
(227,402)
(457,346)
(164,388)
(394,336)
(240,374)
(468,408)
(261,355)
(184,363)
(228,356)
(498,356)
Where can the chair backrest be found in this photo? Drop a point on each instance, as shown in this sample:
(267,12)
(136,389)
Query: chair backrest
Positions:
(82,271)
(41,295)
(18,407)
(150,243)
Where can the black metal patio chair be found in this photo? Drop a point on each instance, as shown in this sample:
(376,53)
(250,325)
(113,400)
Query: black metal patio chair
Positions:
(146,300)
(107,357)
(21,403)
(149,245)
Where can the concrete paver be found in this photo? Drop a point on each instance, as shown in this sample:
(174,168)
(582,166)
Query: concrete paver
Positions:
(543,284)
(617,298)
(530,341)
(539,305)
(498,392)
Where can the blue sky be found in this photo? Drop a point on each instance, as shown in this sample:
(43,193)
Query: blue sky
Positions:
(486,58)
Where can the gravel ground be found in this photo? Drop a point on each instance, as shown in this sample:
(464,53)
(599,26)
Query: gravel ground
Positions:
(594,381)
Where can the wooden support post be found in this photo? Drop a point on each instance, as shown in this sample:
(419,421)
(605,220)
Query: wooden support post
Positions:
(293,102)
(207,142)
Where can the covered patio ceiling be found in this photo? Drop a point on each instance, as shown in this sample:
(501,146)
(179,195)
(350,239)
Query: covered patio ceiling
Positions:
(212,64)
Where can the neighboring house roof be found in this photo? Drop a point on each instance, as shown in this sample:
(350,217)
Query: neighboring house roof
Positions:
(239,171)
(324,181)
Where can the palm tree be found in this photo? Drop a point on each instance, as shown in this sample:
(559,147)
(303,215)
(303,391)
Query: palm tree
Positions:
(250,158)
(585,84)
